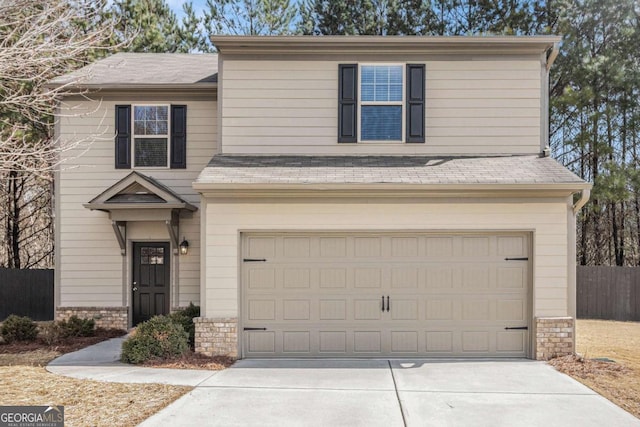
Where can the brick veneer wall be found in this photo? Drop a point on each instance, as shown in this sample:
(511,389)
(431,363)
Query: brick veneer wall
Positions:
(105,317)
(554,337)
(216,337)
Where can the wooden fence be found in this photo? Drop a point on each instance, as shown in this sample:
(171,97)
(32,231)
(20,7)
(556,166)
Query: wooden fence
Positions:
(608,293)
(26,293)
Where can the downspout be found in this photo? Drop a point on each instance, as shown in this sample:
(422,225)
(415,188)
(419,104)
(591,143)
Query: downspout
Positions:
(555,50)
(572,291)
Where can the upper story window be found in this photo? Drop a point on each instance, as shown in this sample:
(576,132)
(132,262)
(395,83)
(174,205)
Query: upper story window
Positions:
(381,102)
(151,136)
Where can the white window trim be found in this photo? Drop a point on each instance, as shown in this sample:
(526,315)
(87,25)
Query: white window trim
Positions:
(401,103)
(134,136)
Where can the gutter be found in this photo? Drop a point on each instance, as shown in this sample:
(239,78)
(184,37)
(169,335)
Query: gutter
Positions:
(555,50)
(584,198)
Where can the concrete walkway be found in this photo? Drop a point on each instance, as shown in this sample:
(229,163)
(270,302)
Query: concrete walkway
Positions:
(102,362)
(447,392)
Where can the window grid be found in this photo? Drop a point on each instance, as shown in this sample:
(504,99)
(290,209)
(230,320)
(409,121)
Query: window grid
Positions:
(381,97)
(150,123)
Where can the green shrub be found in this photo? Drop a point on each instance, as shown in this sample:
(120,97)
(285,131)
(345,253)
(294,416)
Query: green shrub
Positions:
(50,333)
(158,338)
(77,327)
(16,328)
(185,318)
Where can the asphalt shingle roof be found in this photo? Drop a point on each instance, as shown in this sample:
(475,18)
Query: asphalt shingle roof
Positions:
(141,69)
(229,169)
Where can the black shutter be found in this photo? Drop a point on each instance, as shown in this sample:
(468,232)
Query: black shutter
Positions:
(415,102)
(347,102)
(123,136)
(178,136)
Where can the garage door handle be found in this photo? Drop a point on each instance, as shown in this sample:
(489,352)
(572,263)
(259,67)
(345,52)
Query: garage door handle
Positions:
(383,303)
(254,260)
(520,328)
(388,305)
(255,329)
(517,259)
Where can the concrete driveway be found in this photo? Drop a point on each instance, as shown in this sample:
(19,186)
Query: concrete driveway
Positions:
(391,393)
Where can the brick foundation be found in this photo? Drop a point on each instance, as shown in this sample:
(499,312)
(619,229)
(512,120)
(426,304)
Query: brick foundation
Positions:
(216,337)
(105,317)
(554,337)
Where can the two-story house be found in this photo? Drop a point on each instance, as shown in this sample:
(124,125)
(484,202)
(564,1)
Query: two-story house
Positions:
(324,197)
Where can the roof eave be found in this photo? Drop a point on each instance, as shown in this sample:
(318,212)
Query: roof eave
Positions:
(393,189)
(388,44)
(119,206)
(134,86)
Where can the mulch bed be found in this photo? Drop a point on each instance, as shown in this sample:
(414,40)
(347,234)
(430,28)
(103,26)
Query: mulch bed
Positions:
(66,345)
(578,366)
(193,360)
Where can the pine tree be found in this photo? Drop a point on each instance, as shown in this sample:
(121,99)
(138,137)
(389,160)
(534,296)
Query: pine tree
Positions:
(250,17)
(147,25)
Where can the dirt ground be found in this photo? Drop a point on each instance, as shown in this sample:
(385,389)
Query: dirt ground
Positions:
(619,380)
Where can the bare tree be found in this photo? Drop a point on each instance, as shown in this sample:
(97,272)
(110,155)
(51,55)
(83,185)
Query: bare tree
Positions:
(39,40)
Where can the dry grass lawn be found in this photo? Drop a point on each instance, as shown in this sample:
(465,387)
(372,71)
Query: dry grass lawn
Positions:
(618,341)
(24,381)
(86,403)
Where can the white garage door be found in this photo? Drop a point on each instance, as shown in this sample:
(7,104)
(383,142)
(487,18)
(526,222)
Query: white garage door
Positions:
(385,295)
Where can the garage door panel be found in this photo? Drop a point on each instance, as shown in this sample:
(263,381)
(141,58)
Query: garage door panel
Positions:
(404,342)
(296,247)
(322,294)
(438,247)
(439,309)
(404,277)
(296,309)
(333,342)
(511,277)
(263,342)
(296,342)
(511,341)
(296,278)
(511,246)
(438,277)
(261,278)
(367,309)
(404,247)
(331,247)
(511,310)
(368,278)
(333,277)
(473,247)
(367,247)
(332,310)
(439,342)
(475,341)
(367,342)
(404,309)
(262,310)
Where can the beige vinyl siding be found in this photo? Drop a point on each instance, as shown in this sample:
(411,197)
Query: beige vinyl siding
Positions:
(472,107)
(91,270)
(547,221)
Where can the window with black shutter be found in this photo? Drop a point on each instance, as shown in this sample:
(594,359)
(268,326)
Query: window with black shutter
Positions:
(151,136)
(381,103)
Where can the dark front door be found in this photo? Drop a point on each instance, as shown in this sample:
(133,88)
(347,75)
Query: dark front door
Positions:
(150,280)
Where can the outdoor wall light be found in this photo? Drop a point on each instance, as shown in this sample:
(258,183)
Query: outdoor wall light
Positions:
(184,247)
